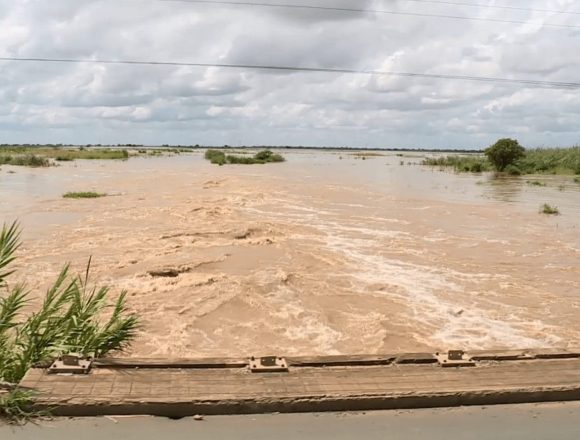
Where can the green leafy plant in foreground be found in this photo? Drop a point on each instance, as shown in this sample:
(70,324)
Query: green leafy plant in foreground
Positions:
(70,319)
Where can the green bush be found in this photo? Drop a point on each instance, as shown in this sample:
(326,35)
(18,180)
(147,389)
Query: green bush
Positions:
(216,157)
(276,158)
(264,155)
(504,152)
(476,168)
(220,158)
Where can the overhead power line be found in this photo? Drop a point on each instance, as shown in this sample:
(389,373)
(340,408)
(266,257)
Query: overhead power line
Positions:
(488,6)
(367,11)
(527,82)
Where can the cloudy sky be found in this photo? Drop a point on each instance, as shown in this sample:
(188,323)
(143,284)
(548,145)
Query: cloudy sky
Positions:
(92,103)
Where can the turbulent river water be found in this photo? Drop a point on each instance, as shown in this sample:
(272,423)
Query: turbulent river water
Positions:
(326,253)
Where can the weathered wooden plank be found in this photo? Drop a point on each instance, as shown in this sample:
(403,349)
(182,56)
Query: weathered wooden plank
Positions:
(118,387)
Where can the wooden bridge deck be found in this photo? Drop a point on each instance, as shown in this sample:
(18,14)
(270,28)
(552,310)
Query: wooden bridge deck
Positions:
(226,386)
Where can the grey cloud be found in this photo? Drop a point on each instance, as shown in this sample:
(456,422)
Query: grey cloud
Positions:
(163,104)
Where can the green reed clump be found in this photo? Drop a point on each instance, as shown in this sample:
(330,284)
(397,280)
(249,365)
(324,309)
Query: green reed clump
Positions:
(549,209)
(70,319)
(83,195)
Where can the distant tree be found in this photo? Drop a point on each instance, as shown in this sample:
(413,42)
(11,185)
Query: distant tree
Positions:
(504,152)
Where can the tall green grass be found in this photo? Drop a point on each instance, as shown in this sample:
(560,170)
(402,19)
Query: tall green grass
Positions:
(551,161)
(535,161)
(73,317)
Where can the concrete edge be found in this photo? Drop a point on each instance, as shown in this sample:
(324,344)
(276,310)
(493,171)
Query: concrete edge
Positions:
(178,409)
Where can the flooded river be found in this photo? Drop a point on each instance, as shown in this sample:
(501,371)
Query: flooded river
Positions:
(326,253)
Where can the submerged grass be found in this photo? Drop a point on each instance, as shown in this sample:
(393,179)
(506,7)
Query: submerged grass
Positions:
(365,154)
(218,157)
(83,195)
(70,319)
(549,209)
(473,163)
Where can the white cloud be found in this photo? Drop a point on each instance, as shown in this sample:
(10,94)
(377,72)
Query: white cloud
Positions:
(84,103)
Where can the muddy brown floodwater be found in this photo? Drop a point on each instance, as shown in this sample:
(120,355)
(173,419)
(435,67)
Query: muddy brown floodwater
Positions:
(324,254)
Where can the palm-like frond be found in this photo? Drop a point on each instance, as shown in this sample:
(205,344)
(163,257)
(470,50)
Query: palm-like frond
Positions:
(9,243)
(67,321)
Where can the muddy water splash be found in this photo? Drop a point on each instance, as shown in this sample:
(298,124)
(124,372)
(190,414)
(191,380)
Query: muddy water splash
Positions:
(317,255)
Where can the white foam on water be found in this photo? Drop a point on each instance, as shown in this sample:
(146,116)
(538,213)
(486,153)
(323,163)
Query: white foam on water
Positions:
(304,325)
(431,295)
(423,290)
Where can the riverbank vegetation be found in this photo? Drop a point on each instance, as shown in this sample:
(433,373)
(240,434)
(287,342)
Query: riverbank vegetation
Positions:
(83,195)
(508,157)
(73,317)
(25,160)
(219,157)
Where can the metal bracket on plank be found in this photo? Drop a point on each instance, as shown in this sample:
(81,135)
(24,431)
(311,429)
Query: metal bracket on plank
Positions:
(454,358)
(71,363)
(268,364)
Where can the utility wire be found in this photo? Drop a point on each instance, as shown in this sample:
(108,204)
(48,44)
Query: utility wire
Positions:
(366,11)
(528,82)
(484,5)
